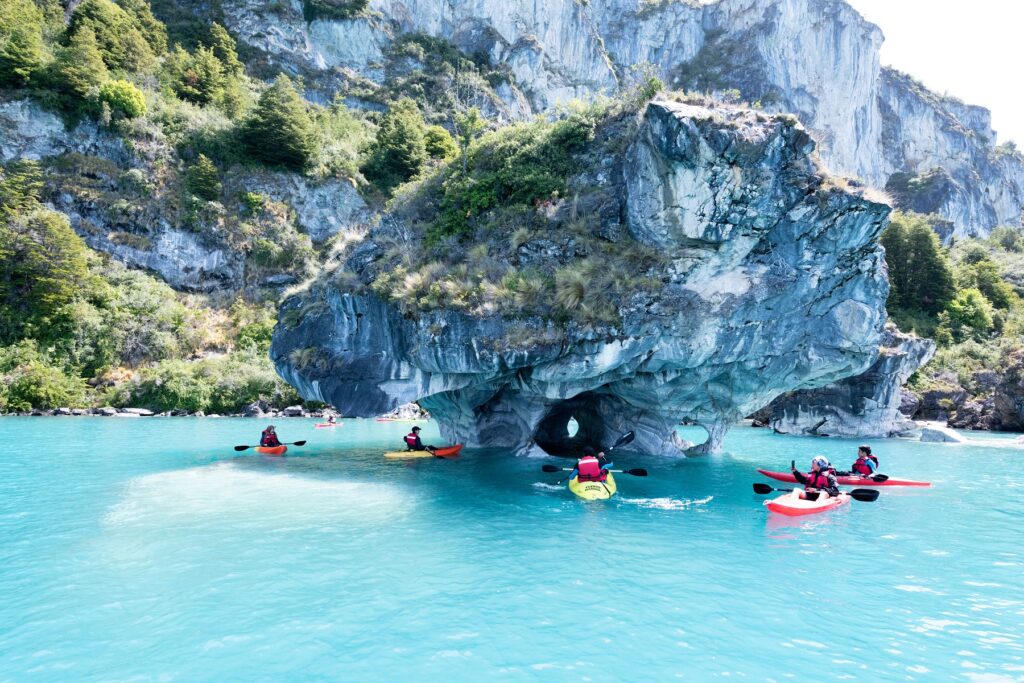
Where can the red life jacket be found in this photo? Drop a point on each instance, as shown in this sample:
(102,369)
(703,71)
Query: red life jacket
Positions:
(411,441)
(589,469)
(817,480)
(861,466)
(269,439)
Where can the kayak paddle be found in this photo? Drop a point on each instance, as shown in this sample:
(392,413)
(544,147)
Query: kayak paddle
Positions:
(636,472)
(863,495)
(296,443)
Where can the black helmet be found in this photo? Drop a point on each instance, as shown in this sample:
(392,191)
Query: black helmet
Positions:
(866,449)
(415,429)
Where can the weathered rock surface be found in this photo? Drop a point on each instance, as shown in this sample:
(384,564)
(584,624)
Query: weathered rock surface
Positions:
(322,209)
(816,58)
(774,283)
(940,434)
(867,405)
(942,399)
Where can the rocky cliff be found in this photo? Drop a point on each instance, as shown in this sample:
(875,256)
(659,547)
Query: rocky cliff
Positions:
(766,278)
(815,58)
(868,405)
(122,194)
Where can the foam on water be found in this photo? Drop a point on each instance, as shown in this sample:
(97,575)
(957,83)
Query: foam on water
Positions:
(225,490)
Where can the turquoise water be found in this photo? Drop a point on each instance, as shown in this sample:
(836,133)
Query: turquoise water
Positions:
(156,553)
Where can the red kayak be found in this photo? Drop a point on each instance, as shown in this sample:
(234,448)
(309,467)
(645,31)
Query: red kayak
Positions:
(794,505)
(271,450)
(855,480)
(448,451)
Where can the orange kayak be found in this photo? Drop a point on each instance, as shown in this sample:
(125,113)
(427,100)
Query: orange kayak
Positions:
(271,450)
(794,505)
(448,451)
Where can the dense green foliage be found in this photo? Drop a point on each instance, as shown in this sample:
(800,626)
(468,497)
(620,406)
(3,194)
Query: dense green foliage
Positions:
(439,143)
(21,42)
(123,98)
(518,165)
(203,180)
(333,9)
(400,151)
(79,68)
(279,131)
(919,271)
(121,36)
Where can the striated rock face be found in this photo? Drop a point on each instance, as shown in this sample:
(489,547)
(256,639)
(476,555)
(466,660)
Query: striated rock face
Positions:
(773,281)
(322,209)
(868,405)
(818,59)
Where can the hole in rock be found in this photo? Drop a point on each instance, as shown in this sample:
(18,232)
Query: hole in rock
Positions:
(572,425)
(692,433)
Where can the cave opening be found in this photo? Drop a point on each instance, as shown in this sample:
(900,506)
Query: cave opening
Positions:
(572,425)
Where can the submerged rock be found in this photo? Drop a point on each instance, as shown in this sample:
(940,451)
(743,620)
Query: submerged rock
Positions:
(939,434)
(868,405)
(771,280)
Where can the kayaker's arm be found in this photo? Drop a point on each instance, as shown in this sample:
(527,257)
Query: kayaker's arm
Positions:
(833,485)
(801,478)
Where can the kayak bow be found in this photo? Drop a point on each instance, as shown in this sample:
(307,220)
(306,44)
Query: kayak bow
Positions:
(593,490)
(271,450)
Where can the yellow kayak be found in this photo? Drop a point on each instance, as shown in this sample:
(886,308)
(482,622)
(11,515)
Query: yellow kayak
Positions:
(593,490)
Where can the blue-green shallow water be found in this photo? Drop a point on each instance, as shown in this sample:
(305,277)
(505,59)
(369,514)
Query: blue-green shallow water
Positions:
(156,553)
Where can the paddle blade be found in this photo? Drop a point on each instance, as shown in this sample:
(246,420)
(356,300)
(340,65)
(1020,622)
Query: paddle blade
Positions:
(637,472)
(864,495)
(762,488)
(624,439)
(551,468)
(299,443)
(242,448)
(879,477)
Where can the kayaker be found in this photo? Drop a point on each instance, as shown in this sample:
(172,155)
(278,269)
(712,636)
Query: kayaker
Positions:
(866,462)
(590,467)
(330,420)
(821,478)
(413,443)
(269,437)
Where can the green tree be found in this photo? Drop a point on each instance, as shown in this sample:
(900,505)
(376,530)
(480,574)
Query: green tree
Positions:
(20,185)
(203,180)
(1009,239)
(43,270)
(400,151)
(468,126)
(440,144)
(280,132)
(978,271)
(124,98)
(968,316)
(152,28)
(79,69)
(29,379)
(119,35)
(225,48)
(21,42)
(919,271)
(197,77)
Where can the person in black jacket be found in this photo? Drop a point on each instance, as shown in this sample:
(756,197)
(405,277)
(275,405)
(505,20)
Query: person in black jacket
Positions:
(821,478)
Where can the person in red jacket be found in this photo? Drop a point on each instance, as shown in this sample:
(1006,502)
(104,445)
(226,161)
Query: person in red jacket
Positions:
(590,466)
(821,478)
(269,438)
(413,443)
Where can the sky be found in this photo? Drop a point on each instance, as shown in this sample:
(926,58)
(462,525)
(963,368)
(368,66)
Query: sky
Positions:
(972,50)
